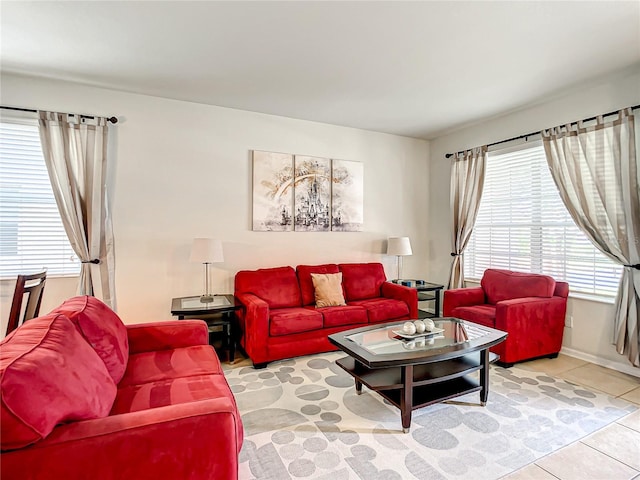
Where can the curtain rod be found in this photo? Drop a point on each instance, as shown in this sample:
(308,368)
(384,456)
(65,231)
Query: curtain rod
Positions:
(449,155)
(110,119)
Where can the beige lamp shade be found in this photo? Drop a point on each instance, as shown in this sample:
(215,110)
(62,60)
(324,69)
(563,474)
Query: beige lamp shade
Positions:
(206,250)
(400,246)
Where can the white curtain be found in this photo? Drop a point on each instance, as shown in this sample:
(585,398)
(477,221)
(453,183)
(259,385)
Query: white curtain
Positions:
(596,170)
(75,151)
(467,180)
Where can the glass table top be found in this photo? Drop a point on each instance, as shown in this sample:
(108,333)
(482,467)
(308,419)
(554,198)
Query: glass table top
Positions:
(194,302)
(418,284)
(389,339)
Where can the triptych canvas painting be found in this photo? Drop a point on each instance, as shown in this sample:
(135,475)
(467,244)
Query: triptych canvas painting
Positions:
(306,194)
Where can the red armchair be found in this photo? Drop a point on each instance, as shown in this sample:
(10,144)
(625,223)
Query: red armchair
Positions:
(529,307)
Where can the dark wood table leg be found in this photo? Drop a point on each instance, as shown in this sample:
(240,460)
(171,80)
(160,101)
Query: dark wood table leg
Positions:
(437,295)
(232,339)
(484,376)
(406,397)
(230,333)
(358,387)
(358,369)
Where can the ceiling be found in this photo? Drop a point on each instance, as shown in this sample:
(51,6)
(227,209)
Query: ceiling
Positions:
(408,68)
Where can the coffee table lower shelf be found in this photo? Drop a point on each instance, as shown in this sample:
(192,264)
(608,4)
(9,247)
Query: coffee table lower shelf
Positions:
(430,383)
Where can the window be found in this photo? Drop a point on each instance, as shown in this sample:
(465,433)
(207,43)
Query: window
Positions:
(32,236)
(523,225)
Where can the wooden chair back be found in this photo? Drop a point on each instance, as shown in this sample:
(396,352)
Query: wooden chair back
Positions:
(30,287)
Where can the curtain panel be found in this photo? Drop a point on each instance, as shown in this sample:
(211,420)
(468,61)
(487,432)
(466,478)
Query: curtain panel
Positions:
(75,152)
(596,170)
(467,180)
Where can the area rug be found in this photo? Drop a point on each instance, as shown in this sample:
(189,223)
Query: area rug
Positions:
(303,419)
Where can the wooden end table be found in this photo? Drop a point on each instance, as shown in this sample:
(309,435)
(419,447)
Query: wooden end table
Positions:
(427,292)
(217,314)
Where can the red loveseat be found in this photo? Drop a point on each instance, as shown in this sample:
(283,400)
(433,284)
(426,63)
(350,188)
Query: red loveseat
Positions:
(84,396)
(529,307)
(279,318)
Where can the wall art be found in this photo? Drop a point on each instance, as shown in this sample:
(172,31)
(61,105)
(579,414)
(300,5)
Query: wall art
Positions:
(306,194)
(312,194)
(272,191)
(347,200)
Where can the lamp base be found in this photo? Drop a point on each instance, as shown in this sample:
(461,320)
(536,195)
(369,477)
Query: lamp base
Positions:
(206,298)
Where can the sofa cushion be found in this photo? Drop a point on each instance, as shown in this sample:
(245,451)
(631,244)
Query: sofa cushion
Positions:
(499,285)
(102,328)
(286,321)
(170,391)
(347,315)
(328,289)
(276,286)
(383,309)
(362,280)
(49,375)
(167,364)
(306,284)
(481,314)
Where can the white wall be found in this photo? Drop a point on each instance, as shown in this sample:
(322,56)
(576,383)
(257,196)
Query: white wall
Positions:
(592,330)
(184,170)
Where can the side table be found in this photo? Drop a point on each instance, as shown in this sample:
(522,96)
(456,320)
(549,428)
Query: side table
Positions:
(427,292)
(218,313)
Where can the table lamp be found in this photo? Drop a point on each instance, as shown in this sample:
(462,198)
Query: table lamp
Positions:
(206,251)
(399,246)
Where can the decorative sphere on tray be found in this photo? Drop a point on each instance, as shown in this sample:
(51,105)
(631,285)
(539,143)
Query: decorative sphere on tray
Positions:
(429,325)
(409,328)
(420,326)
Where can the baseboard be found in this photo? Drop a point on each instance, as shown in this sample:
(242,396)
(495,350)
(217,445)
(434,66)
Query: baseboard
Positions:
(603,362)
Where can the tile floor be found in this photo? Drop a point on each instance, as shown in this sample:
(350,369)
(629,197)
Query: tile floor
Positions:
(612,453)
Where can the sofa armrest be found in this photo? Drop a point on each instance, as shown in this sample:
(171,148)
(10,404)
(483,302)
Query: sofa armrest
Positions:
(254,318)
(167,442)
(147,337)
(407,295)
(461,297)
(538,320)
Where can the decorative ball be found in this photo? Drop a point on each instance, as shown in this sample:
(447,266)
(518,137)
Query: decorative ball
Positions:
(409,328)
(420,326)
(429,325)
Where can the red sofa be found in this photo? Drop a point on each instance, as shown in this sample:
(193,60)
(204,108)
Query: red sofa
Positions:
(84,396)
(279,318)
(529,307)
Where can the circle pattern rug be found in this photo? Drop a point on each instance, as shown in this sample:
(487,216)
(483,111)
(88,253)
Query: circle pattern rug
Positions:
(303,419)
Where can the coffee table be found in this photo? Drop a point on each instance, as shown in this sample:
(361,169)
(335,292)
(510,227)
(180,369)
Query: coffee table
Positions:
(414,372)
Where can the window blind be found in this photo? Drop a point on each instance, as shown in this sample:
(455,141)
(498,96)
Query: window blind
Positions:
(32,236)
(523,225)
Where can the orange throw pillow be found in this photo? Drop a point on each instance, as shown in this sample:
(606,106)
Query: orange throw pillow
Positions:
(328,289)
